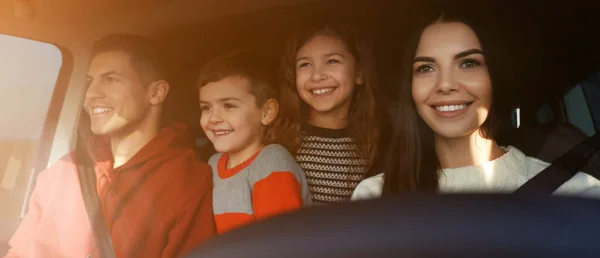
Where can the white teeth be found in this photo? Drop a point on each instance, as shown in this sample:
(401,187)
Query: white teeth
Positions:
(100,110)
(450,108)
(220,133)
(322,91)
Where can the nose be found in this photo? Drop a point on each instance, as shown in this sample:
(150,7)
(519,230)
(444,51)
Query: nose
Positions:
(215,116)
(317,74)
(446,82)
(93,91)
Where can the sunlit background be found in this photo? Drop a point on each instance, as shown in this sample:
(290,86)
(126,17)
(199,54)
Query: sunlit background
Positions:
(28,74)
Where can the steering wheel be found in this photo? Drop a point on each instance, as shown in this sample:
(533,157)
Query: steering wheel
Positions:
(423,226)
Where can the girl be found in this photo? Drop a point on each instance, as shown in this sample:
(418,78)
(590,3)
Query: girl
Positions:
(330,68)
(445,136)
(249,121)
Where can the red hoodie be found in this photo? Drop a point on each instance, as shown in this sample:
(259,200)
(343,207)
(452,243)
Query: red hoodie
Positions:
(158,204)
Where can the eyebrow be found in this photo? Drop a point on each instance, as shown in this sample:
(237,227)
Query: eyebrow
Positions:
(423,59)
(109,73)
(221,100)
(326,55)
(301,58)
(468,53)
(334,54)
(457,56)
(106,74)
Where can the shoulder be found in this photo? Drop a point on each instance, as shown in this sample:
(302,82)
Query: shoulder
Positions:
(582,184)
(65,165)
(369,188)
(534,165)
(276,151)
(187,173)
(516,163)
(274,158)
(58,177)
(214,159)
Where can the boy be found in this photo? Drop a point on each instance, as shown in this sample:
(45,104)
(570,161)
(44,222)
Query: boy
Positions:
(250,122)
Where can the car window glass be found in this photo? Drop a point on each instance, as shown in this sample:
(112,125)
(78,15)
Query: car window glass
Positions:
(28,73)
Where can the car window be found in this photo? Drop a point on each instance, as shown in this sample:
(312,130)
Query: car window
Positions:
(28,74)
(591,89)
(579,107)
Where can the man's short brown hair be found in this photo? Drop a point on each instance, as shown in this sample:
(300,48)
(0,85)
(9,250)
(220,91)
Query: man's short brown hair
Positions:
(145,55)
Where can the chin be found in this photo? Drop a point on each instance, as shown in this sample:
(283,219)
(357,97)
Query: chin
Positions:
(222,148)
(322,108)
(99,131)
(452,133)
(105,130)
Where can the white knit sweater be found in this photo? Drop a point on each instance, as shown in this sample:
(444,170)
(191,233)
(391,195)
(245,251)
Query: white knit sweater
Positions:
(501,175)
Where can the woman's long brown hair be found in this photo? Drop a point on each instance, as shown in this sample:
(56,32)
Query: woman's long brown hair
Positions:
(366,114)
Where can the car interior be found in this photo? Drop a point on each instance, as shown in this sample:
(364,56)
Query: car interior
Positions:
(555,48)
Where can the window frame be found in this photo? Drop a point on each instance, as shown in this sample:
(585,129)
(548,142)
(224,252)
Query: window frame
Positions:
(50,124)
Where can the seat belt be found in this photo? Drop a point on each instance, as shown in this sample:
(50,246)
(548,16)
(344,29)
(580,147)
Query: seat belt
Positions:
(87,182)
(562,169)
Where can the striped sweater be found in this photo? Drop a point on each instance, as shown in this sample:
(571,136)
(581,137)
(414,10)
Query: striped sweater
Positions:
(267,184)
(332,166)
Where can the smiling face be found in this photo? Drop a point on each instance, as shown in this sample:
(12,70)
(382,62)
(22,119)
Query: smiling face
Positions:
(326,74)
(116,98)
(231,118)
(451,85)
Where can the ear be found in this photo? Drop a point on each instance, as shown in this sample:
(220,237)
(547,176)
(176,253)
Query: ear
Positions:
(359,77)
(158,91)
(269,111)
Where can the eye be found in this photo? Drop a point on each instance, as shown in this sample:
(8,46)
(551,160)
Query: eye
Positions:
(110,79)
(204,108)
(304,64)
(228,106)
(333,61)
(467,63)
(424,69)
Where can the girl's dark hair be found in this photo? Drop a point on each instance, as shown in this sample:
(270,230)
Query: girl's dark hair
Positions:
(261,74)
(412,163)
(366,114)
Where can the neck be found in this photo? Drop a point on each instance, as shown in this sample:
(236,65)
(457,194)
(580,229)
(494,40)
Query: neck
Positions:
(336,119)
(124,146)
(470,150)
(236,158)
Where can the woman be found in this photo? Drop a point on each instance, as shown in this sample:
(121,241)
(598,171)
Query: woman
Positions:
(453,100)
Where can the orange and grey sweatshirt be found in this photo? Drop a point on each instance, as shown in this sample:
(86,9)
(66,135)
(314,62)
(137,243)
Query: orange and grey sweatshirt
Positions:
(268,183)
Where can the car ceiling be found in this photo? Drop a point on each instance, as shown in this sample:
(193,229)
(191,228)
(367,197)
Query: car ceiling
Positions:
(557,40)
(555,43)
(565,31)
(60,21)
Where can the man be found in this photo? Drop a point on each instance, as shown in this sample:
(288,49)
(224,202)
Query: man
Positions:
(155,194)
